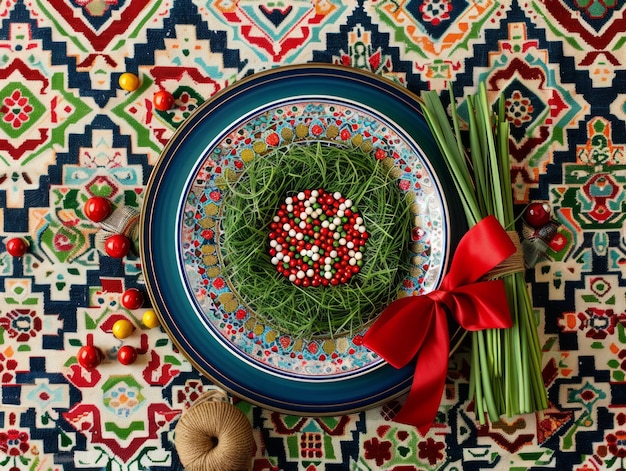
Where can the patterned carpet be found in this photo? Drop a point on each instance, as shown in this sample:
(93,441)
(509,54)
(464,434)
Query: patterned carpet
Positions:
(67,131)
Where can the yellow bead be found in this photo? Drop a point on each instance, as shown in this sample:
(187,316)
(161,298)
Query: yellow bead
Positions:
(122,328)
(150,319)
(129,81)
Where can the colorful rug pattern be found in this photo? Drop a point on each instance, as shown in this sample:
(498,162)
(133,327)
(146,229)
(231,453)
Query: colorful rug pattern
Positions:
(68,132)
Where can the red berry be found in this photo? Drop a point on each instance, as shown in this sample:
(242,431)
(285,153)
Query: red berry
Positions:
(127,355)
(537,214)
(132,299)
(117,246)
(89,356)
(163,100)
(17,247)
(97,208)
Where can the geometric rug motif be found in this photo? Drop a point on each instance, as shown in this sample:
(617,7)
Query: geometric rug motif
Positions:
(431,33)
(122,413)
(360,44)
(99,37)
(539,106)
(36,106)
(268,32)
(190,59)
(98,163)
(590,31)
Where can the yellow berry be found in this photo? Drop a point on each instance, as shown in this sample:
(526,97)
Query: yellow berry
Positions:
(122,328)
(150,319)
(129,81)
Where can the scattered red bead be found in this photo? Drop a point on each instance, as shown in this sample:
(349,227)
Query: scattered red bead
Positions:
(97,208)
(537,214)
(17,247)
(127,355)
(117,246)
(132,299)
(163,100)
(89,356)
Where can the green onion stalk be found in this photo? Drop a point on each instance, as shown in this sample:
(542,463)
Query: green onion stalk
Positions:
(505,376)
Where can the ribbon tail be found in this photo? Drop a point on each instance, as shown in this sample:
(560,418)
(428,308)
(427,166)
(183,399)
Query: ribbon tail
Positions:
(420,408)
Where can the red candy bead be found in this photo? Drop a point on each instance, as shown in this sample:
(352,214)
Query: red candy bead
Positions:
(537,214)
(163,100)
(117,246)
(97,208)
(132,299)
(127,355)
(89,356)
(306,230)
(17,247)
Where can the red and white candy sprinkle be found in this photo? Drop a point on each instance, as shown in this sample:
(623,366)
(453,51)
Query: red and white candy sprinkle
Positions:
(317,239)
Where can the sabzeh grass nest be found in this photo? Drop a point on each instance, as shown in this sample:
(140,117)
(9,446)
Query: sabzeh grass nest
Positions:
(251,207)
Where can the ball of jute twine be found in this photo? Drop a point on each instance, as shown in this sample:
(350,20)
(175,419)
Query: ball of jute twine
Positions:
(213,435)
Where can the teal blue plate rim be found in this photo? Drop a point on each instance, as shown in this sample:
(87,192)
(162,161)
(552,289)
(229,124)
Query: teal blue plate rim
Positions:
(160,223)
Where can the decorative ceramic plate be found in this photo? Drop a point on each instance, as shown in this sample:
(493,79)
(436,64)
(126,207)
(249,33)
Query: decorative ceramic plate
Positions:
(182,233)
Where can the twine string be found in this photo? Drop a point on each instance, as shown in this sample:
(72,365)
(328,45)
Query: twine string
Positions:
(213,435)
(513,264)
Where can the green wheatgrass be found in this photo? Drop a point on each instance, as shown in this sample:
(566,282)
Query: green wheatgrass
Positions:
(506,375)
(255,197)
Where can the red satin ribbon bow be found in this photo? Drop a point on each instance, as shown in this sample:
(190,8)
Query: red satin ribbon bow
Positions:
(418,324)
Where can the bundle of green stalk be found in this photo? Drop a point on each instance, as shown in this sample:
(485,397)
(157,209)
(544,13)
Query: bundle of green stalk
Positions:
(506,363)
